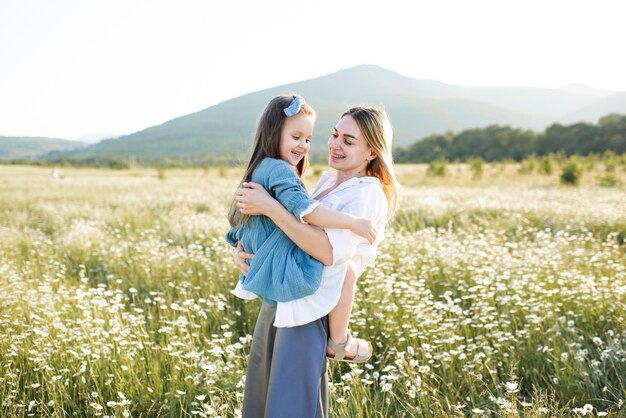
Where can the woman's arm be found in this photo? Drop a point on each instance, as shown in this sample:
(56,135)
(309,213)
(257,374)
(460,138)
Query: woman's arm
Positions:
(283,185)
(253,199)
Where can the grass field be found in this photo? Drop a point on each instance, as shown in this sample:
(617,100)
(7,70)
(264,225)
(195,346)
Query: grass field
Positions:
(496,296)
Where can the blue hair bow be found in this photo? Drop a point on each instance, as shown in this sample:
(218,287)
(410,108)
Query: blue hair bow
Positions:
(294,106)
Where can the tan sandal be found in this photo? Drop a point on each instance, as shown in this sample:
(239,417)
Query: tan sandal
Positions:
(363,350)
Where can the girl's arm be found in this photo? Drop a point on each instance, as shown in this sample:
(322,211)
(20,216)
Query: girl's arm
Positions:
(254,200)
(330,218)
(283,184)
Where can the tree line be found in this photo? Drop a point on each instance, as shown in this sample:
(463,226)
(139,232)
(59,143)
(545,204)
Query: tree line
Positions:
(497,143)
(493,143)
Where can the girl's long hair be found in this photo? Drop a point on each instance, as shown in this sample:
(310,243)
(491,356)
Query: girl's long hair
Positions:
(376,128)
(267,144)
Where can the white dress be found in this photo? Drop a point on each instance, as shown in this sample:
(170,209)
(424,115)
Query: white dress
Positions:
(359,196)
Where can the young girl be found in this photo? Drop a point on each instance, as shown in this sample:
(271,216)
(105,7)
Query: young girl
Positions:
(280,270)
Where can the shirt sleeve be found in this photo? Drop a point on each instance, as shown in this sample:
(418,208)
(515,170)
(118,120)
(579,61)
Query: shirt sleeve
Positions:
(308,210)
(286,187)
(231,237)
(344,244)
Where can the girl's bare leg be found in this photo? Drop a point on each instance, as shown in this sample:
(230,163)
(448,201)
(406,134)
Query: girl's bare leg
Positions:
(339,317)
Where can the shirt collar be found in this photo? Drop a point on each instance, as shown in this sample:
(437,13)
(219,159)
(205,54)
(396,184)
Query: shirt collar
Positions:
(328,178)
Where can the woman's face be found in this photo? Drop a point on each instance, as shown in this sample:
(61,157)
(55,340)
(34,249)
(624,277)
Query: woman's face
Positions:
(295,138)
(348,150)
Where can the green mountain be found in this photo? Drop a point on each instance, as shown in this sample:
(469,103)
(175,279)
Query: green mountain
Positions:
(416,107)
(24,148)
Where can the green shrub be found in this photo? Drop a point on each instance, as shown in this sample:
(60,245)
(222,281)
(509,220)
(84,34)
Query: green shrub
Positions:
(546,165)
(610,161)
(608,181)
(476,165)
(589,162)
(437,168)
(119,164)
(527,166)
(571,173)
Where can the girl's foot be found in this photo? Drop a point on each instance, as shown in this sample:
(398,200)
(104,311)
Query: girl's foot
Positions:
(355,350)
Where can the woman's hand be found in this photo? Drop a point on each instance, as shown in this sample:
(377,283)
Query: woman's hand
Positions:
(253,199)
(240,257)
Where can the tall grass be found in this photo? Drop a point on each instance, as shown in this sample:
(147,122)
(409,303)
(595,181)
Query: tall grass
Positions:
(488,298)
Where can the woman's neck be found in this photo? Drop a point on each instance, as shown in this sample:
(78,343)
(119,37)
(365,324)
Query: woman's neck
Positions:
(342,176)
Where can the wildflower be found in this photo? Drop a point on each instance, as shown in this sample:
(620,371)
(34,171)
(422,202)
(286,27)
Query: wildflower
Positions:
(96,406)
(511,387)
(586,409)
(386,387)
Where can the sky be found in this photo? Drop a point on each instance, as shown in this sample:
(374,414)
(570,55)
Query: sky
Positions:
(86,69)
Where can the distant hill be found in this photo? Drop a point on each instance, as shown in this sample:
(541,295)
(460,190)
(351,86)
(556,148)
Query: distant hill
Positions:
(584,89)
(598,108)
(14,148)
(94,137)
(417,108)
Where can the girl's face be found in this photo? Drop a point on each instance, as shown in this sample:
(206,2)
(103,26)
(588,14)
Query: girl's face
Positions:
(348,150)
(295,138)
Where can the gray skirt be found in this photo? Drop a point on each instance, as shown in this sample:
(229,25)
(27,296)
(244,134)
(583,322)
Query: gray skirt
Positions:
(286,374)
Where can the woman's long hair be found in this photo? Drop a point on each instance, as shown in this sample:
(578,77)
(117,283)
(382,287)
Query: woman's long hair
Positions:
(267,144)
(376,128)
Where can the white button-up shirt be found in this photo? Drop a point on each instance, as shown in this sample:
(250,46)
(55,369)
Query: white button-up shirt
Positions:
(359,196)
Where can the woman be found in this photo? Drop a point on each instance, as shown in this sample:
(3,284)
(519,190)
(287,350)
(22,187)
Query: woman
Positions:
(287,365)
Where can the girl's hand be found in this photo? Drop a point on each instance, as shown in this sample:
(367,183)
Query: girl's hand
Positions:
(240,257)
(363,227)
(253,199)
